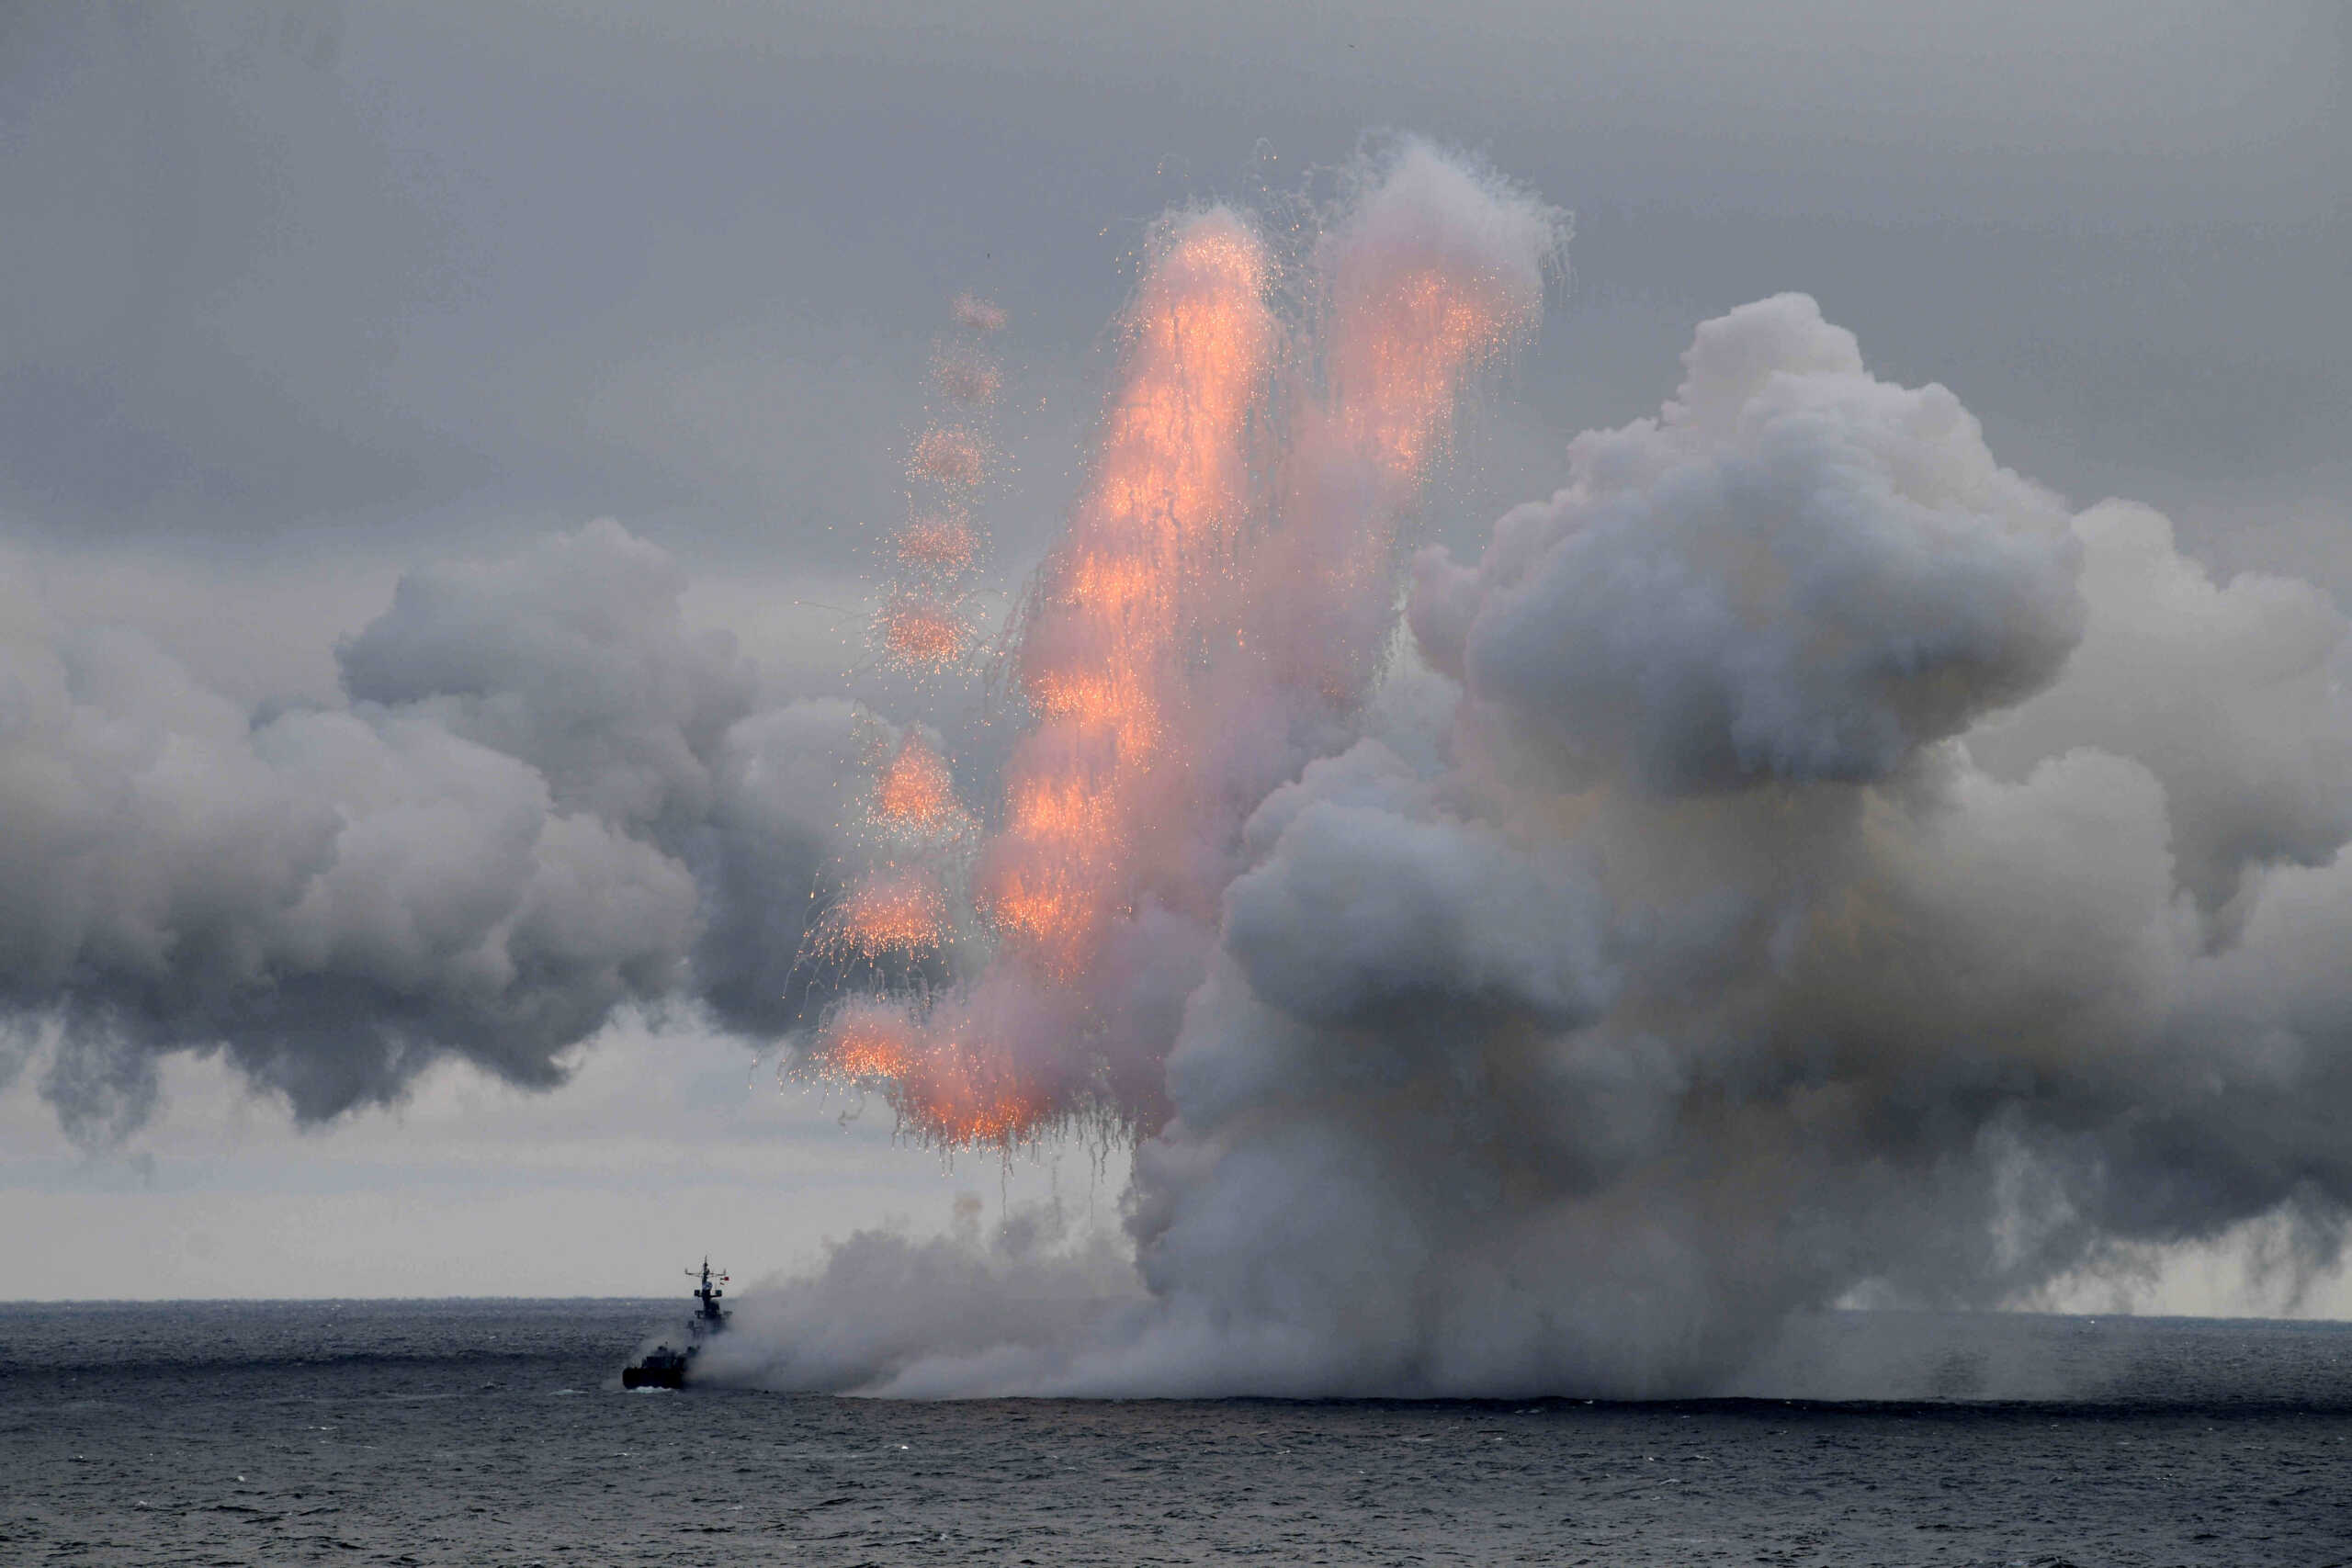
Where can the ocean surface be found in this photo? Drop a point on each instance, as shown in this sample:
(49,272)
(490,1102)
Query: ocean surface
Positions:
(497,1432)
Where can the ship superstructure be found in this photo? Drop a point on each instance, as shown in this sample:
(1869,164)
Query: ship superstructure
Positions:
(665,1365)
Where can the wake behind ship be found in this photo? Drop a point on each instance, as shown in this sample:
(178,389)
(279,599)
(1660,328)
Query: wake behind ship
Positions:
(664,1367)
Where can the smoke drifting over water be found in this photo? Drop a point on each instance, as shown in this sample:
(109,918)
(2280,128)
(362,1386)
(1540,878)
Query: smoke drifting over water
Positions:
(1801,858)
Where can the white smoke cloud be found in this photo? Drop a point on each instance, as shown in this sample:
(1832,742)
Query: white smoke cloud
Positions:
(1362,906)
(914,1317)
(2224,691)
(545,800)
(1839,872)
(572,658)
(1796,571)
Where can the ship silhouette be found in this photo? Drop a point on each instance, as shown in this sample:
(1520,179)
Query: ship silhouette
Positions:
(667,1367)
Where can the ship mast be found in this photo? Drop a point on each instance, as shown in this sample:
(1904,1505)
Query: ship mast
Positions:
(710,1315)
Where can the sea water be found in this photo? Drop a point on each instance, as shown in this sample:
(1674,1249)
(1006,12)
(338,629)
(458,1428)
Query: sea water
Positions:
(496,1432)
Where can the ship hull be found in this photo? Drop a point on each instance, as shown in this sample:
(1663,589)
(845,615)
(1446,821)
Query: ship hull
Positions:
(653,1377)
(665,1365)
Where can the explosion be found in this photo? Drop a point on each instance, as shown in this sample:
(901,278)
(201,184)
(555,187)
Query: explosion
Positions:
(1207,561)
(915,795)
(958,1094)
(895,911)
(923,632)
(1800,861)
(867,1041)
(943,544)
(1148,561)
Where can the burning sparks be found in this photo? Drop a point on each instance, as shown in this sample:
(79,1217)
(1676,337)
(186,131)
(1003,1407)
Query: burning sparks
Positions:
(947,1087)
(921,633)
(958,1096)
(951,455)
(925,625)
(867,1040)
(895,911)
(943,544)
(1230,561)
(1405,345)
(1149,554)
(915,797)
(1052,877)
(977,314)
(1411,323)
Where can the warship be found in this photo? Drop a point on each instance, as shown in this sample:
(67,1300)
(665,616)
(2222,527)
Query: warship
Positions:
(666,1367)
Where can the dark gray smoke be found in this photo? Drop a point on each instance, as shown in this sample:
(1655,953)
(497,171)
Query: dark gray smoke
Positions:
(544,800)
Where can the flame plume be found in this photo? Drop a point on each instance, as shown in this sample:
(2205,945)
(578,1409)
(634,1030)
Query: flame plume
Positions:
(1211,617)
(1150,548)
(948,1076)
(957,1095)
(869,1039)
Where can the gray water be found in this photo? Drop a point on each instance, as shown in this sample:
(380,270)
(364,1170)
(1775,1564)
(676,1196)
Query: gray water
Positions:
(496,1432)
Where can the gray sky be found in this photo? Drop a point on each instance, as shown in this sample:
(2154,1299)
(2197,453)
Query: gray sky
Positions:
(294,296)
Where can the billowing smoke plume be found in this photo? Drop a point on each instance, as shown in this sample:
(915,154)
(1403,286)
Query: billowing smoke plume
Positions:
(1803,861)
(545,800)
